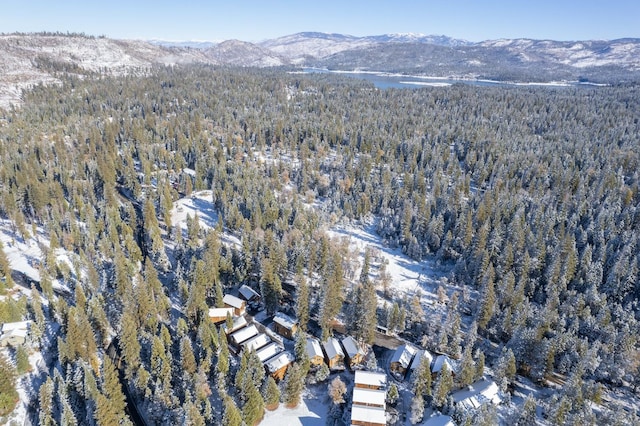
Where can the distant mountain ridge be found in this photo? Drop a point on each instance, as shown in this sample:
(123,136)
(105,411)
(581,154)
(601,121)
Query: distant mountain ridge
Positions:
(28,59)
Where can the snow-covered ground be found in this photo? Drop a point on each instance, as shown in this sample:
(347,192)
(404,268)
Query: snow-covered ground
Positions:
(407,275)
(312,411)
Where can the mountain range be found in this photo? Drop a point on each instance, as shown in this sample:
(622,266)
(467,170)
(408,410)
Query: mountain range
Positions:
(28,59)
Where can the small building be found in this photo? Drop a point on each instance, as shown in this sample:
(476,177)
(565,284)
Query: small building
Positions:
(284,325)
(237,324)
(248,294)
(218,315)
(256,342)
(368,416)
(314,351)
(244,334)
(476,394)
(239,306)
(370,380)
(277,365)
(438,362)
(401,359)
(334,356)
(14,333)
(352,350)
(268,351)
(420,357)
(369,397)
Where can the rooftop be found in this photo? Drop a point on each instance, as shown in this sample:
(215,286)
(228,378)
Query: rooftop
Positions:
(238,323)
(420,356)
(332,348)
(351,347)
(279,361)
(256,342)
(369,378)
(369,396)
(374,415)
(313,348)
(268,351)
(482,389)
(403,355)
(244,334)
(234,301)
(439,361)
(284,320)
(247,292)
(220,312)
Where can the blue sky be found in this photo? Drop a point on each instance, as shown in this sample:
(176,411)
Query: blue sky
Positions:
(255,20)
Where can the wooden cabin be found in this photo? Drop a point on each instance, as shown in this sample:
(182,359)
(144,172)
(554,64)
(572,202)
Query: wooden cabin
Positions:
(268,351)
(248,294)
(256,342)
(244,334)
(421,356)
(353,351)
(401,359)
(368,416)
(333,354)
(237,324)
(314,351)
(14,333)
(218,315)
(369,397)
(277,365)
(284,325)
(239,306)
(370,380)
(438,362)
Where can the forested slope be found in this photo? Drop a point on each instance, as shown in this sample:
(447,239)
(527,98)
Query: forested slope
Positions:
(531,195)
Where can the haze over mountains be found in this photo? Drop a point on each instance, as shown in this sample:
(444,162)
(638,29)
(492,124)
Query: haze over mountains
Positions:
(27,59)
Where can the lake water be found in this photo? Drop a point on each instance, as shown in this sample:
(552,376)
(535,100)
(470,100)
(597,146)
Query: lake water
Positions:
(387,81)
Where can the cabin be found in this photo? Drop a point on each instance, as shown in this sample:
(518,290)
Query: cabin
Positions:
(353,352)
(244,334)
(284,325)
(420,357)
(402,358)
(268,351)
(218,315)
(368,416)
(476,394)
(314,351)
(369,397)
(256,342)
(14,333)
(239,306)
(248,294)
(277,365)
(333,354)
(370,380)
(438,362)
(237,324)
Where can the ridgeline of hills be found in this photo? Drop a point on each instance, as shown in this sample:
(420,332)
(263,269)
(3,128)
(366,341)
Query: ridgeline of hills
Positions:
(28,59)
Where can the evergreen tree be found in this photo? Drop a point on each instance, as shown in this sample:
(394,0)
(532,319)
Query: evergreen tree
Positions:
(5,268)
(253,409)
(293,386)
(187,359)
(444,384)
(422,379)
(302,304)
(393,395)
(232,415)
(22,360)
(8,392)
(271,394)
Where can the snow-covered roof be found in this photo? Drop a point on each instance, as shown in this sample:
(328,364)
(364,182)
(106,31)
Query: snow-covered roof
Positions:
(403,355)
(439,420)
(420,356)
(244,334)
(313,348)
(257,342)
(483,389)
(234,301)
(369,396)
(247,292)
(369,378)
(370,415)
(220,312)
(268,351)
(238,323)
(351,347)
(332,348)
(279,361)
(20,325)
(284,320)
(439,361)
